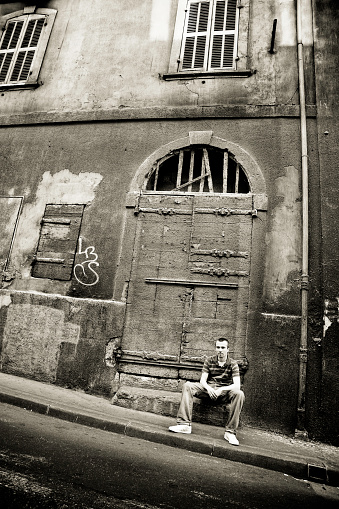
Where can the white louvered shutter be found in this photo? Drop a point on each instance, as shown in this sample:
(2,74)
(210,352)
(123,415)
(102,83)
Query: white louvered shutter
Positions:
(18,48)
(224,33)
(196,35)
(8,47)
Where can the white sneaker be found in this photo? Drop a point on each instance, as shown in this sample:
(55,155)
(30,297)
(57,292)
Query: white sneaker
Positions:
(231,438)
(181,428)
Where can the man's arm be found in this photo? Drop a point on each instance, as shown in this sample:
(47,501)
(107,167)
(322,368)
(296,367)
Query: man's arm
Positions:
(211,392)
(235,386)
(220,391)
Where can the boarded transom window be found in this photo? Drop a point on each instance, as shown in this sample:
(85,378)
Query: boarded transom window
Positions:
(199,170)
(210,35)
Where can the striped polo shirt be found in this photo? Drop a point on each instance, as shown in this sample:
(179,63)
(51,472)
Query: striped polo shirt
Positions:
(220,375)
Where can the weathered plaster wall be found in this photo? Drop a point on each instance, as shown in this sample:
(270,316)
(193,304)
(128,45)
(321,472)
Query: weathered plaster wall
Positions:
(323,381)
(283,242)
(95,164)
(107,55)
(59,340)
(102,160)
(102,109)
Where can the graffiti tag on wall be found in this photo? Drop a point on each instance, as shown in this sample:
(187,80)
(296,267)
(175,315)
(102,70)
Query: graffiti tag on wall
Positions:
(85,272)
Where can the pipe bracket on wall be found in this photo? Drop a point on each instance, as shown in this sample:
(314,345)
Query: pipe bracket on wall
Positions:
(274,29)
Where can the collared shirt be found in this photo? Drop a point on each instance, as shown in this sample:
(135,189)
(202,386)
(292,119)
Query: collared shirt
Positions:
(220,375)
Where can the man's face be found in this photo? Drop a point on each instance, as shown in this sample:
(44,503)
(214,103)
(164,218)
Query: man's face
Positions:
(222,350)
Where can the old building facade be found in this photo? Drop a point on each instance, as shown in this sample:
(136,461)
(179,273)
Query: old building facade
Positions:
(168,173)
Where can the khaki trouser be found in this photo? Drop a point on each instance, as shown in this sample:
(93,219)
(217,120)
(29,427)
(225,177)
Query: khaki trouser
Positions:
(235,400)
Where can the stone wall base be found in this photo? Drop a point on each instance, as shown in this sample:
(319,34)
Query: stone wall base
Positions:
(166,402)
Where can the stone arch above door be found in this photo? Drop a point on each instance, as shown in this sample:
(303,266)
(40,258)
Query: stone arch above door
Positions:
(206,138)
(185,265)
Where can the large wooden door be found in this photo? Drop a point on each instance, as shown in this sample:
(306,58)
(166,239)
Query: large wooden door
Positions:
(189,279)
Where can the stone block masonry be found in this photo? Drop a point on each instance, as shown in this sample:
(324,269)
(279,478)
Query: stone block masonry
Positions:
(58,339)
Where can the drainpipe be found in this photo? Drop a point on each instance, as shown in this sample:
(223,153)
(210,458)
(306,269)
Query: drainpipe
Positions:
(304,274)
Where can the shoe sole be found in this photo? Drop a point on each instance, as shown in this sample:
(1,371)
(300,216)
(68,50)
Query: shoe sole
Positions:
(182,432)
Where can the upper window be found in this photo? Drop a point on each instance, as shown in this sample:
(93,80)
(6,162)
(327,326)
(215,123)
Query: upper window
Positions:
(22,47)
(210,36)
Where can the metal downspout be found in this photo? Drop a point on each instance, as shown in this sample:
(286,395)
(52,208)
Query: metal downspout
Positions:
(304,274)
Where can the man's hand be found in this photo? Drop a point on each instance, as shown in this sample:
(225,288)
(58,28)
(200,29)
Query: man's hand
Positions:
(220,392)
(213,393)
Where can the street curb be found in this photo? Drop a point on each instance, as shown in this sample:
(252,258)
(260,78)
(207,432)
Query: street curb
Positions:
(286,463)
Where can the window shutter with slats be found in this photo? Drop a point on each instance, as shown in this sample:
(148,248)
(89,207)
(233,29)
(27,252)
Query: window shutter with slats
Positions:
(27,50)
(22,47)
(58,241)
(223,37)
(18,48)
(210,35)
(8,47)
(196,35)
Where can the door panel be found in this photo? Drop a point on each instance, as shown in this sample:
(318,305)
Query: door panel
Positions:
(189,282)
(155,311)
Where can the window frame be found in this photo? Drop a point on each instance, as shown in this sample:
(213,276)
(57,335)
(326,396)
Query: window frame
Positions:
(240,68)
(27,15)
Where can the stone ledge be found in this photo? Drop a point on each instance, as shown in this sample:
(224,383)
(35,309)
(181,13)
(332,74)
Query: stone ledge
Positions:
(166,403)
(124,113)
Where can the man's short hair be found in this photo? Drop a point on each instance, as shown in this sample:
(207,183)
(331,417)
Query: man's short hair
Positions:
(223,339)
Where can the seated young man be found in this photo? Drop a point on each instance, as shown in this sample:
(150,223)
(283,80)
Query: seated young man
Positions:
(220,380)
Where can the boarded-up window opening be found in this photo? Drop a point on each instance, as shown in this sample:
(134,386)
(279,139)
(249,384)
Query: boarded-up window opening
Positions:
(60,228)
(200,170)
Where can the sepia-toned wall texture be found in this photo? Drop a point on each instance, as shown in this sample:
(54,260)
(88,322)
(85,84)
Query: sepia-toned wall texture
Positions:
(91,132)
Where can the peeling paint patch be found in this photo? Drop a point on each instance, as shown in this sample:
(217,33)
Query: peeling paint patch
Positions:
(160,23)
(331,313)
(286,14)
(5,301)
(113,351)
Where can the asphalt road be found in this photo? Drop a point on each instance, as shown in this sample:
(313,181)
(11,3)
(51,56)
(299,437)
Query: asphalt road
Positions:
(49,463)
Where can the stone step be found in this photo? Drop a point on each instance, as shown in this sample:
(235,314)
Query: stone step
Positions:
(167,403)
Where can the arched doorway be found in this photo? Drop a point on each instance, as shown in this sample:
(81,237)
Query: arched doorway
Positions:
(186,258)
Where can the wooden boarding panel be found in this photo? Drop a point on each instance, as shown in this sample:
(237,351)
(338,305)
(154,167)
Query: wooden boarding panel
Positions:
(137,290)
(58,240)
(149,258)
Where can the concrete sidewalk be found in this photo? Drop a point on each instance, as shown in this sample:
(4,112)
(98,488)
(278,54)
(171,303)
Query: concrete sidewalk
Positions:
(307,460)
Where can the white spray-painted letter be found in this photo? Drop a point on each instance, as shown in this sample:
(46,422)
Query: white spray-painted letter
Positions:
(84,271)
